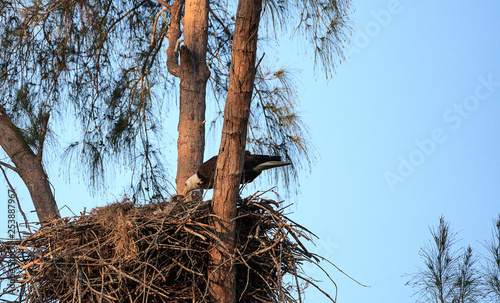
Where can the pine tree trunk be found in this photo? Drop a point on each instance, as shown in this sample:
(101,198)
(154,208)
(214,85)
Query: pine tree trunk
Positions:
(231,152)
(194,74)
(29,167)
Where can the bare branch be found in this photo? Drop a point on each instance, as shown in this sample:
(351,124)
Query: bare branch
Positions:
(154,24)
(42,134)
(17,199)
(226,30)
(164,3)
(174,34)
(6,72)
(15,169)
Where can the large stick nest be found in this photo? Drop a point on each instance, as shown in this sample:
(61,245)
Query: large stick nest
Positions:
(158,252)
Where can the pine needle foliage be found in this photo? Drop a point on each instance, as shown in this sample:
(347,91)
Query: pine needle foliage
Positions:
(448,275)
(491,266)
(92,61)
(276,126)
(101,65)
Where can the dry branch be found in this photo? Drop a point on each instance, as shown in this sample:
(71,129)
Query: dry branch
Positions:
(125,252)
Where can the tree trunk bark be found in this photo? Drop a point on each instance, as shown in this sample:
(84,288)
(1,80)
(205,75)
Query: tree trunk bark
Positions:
(29,167)
(194,75)
(232,148)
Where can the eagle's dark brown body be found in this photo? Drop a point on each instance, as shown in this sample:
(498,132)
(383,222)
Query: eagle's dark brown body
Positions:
(252,167)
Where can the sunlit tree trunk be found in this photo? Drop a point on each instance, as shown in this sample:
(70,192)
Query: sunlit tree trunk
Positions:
(194,75)
(230,159)
(29,167)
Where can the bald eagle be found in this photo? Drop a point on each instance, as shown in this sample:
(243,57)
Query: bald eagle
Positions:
(252,167)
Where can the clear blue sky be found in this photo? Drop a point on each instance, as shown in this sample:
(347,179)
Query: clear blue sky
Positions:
(407,130)
(414,75)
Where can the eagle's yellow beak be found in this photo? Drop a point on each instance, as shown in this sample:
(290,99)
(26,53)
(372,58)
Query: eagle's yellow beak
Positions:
(184,192)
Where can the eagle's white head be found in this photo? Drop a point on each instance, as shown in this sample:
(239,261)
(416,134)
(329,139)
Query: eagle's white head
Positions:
(192,183)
